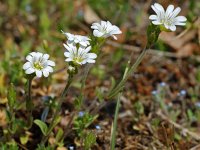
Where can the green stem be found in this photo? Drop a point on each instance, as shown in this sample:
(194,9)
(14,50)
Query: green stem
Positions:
(114,126)
(29,103)
(120,86)
(117,90)
(51,126)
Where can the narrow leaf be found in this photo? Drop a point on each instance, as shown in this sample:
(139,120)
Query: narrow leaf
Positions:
(43,127)
(11,96)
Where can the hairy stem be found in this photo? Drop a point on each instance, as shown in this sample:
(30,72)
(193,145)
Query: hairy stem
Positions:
(51,126)
(120,86)
(117,91)
(29,103)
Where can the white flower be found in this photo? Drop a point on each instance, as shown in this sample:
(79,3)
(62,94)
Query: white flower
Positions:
(80,55)
(39,64)
(105,29)
(167,18)
(77,39)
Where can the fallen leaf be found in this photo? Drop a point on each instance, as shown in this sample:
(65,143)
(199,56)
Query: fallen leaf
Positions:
(89,15)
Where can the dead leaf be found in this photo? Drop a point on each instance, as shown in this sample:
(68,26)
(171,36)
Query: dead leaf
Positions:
(89,15)
(188,50)
(2,118)
(183,46)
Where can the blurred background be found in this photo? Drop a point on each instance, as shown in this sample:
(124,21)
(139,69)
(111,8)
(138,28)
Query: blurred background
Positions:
(30,25)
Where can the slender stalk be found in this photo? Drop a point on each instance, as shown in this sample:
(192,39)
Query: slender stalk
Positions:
(69,125)
(117,91)
(114,125)
(120,86)
(29,103)
(51,126)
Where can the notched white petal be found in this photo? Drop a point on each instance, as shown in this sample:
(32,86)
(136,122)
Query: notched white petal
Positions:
(46,73)
(26,65)
(181,19)
(51,63)
(38,73)
(153,17)
(30,71)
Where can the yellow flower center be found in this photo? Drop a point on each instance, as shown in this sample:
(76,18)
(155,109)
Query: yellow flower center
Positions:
(78,59)
(38,66)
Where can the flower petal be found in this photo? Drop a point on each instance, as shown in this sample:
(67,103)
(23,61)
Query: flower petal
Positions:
(156,22)
(26,65)
(97,33)
(29,71)
(92,55)
(181,19)
(159,7)
(67,54)
(153,17)
(51,63)
(176,12)
(169,10)
(180,23)
(49,69)
(91,61)
(68,59)
(172,28)
(46,56)
(87,49)
(45,73)
(38,73)
(29,58)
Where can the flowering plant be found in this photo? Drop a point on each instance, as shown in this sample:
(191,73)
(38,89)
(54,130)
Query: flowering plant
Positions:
(80,51)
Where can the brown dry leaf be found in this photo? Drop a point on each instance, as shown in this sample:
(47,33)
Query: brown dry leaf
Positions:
(122,37)
(183,46)
(165,133)
(52,140)
(89,15)
(188,50)
(2,118)
(3,100)
(2,80)
(61,148)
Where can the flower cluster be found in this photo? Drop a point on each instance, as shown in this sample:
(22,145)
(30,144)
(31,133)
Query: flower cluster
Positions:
(168,18)
(78,46)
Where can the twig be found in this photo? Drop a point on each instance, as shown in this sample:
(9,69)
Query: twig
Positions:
(22,146)
(178,126)
(138,49)
(59,70)
(69,125)
(133,146)
(197,147)
(150,51)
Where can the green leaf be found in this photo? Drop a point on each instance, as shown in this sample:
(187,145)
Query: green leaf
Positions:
(78,102)
(43,127)
(59,134)
(57,120)
(43,147)
(99,94)
(8,115)
(153,32)
(190,115)
(11,96)
(89,140)
(24,139)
